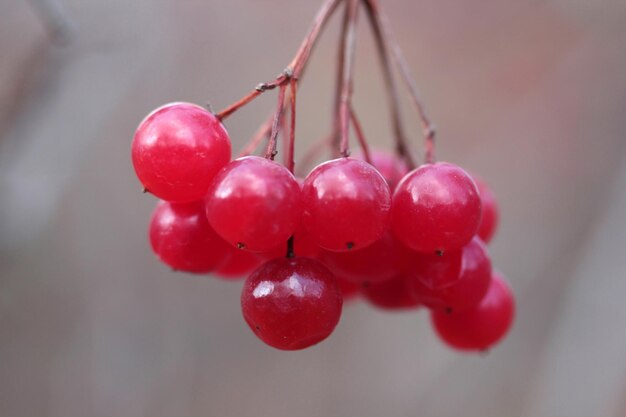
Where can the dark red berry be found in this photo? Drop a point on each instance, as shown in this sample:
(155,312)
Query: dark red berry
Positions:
(394,294)
(238,263)
(183,239)
(489,220)
(483,326)
(457,280)
(380,261)
(291,303)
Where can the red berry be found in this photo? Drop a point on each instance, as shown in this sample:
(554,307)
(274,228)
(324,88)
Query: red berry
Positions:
(254,204)
(436,208)
(291,303)
(238,263)
(458,280)
(183,239)
(489,221)
(380,261)
(394,294)
(349,290)
(346,204)
(303,247)
(390,166)
(178,149)
(483,326)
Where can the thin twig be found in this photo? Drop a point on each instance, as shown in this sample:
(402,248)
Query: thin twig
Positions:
(270,153)
(336,132)
(402,147)
(427,127)
(349,48)
(297,64)
(292,127)
(360,136)
(262,132)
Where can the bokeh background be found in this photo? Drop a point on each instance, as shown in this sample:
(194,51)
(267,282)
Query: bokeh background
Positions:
(529,94)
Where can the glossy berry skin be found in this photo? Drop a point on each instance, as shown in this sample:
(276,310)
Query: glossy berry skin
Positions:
(178,149)
(291,303)
(390,166)
(183,239)
(483,326)
(436,208)
(346,204)
(380,261)
(491,212)
(349,290)
(237,263)
(456,281)
(394,294)
(254,204)
(303,246)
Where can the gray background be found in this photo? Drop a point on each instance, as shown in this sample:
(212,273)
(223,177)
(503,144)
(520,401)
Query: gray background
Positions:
(530,94)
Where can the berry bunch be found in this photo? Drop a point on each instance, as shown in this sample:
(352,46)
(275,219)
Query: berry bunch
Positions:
(369,225)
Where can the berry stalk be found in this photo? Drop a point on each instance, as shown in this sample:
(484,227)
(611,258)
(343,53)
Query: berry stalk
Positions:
(297,64)
(349,47)
(388,42)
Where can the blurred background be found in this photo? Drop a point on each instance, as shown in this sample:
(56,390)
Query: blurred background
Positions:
(529,94)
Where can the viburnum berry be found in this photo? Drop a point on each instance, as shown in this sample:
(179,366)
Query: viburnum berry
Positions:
(378,262)
(178,149)
(303,247)
(456,281)
(238,263)
(346,204)
(390,166)
(254,204)
(483,326)
(436,208)
(490,211)
(183,239)
(393,294)
(291,303)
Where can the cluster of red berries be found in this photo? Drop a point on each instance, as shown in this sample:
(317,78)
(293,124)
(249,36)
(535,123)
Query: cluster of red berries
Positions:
(400,239)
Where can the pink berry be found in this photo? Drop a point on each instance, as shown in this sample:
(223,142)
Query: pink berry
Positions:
(183,239)
(380,261)
(346,204)
(394,294)
(436,208)
(254,204)
(238,264)
(458,280)
(481,327)
(489,221)
(291,303)
(390,166)
(178,149)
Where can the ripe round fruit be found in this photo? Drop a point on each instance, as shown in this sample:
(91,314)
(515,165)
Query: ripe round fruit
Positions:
(394,294)
(390,166)
(237,263)
(178,149)
(458,280)
(346,204)
(380,261)
(254,204)
(483,326)
(291,303)
(436,208)
(489,220)
(183,239)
